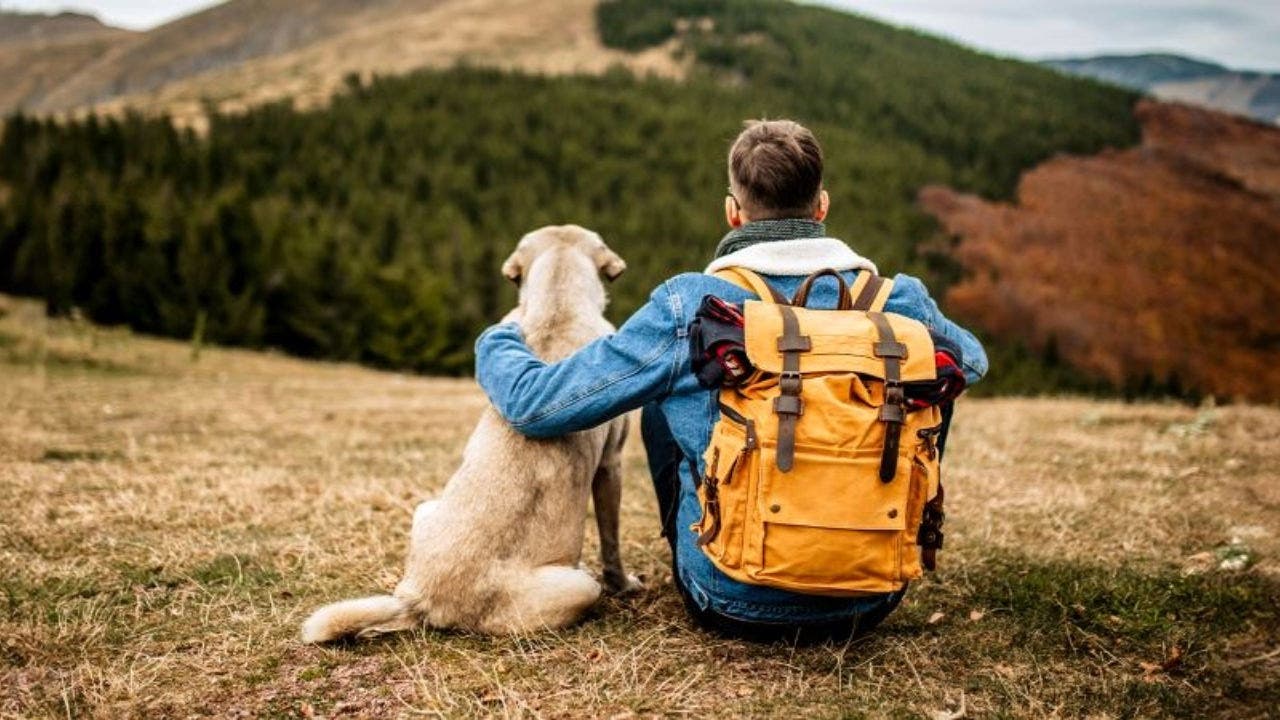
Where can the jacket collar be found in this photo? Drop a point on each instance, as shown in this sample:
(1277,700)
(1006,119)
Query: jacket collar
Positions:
(794,257)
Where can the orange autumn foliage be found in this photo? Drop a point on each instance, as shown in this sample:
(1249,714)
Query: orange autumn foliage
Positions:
(1152,265)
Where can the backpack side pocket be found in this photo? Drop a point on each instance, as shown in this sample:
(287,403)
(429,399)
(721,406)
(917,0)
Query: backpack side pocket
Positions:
(731,459)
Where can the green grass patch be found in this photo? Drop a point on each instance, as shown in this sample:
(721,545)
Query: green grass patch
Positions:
(1125,604)
(235,570)
(1079,620)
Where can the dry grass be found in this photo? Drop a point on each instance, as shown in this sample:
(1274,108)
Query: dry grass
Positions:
(168,523)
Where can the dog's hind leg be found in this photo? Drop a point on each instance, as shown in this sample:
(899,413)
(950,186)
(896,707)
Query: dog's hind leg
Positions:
(543,598)
(606,497)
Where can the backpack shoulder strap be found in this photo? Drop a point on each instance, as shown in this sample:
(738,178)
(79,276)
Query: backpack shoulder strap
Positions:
(749,280)
(870,292)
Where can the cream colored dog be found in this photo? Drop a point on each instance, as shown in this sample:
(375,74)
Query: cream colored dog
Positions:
(498,551)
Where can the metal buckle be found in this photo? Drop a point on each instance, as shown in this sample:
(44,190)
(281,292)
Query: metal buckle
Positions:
(790,381)
(894,394)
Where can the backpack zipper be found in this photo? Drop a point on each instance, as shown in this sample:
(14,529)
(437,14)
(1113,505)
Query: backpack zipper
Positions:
(747,424)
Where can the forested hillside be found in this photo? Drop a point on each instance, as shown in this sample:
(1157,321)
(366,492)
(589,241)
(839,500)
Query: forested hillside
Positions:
(1157,287)
(373,230)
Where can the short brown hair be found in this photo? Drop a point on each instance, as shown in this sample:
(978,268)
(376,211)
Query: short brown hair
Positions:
(775,169)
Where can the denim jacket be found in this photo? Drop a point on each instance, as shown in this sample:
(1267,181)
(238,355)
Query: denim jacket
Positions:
(647,361)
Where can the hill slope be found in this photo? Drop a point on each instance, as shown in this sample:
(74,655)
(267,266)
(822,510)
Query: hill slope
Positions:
(1182,79)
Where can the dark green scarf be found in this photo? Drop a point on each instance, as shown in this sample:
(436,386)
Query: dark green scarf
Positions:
(763,231)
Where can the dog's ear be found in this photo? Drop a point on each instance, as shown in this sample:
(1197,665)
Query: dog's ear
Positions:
(513,268)
(611,264)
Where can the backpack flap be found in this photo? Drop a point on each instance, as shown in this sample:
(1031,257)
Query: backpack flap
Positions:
(840,341)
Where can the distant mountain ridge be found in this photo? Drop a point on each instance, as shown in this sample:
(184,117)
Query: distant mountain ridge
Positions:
(16,27)
(1183,79)
(40,52)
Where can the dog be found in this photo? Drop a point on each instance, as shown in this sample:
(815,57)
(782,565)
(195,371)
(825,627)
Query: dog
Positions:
(498,551)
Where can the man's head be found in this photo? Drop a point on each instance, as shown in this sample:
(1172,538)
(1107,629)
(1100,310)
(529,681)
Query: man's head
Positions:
(775,171)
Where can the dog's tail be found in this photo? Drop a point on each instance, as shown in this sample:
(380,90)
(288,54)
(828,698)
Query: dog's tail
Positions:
(361,617)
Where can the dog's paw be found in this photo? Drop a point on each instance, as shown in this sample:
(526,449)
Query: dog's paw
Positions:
(619,584)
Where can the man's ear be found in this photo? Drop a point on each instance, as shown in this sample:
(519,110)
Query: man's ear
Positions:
(824,206)
(513,268)
(611,264)
(732,212)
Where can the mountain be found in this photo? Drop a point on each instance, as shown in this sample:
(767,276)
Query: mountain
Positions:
(38,53)
(371,228)
(1145,267)
(16,27)
(1182,79)
(246,52)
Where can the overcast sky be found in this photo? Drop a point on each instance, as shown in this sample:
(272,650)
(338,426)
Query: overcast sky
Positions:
(1244,34)
(132,14)
(1240,33)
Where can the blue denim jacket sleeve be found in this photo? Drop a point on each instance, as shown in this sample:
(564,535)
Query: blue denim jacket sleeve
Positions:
(911,298)
(605,379)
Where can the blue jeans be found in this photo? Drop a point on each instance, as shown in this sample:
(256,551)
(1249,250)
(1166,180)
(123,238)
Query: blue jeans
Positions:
(664,457)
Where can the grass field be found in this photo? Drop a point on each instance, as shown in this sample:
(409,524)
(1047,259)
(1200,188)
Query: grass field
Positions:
(169,521)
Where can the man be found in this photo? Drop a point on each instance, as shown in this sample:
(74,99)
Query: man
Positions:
(775,211)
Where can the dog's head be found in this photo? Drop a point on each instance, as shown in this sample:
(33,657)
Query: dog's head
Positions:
(565,243)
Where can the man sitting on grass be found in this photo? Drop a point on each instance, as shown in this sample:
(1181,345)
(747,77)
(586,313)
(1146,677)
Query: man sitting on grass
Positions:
(775,211)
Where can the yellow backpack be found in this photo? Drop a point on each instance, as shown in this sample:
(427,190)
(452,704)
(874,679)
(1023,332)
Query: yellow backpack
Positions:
(817,479)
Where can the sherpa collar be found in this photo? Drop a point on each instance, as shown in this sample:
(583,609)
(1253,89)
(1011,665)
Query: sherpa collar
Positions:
(794,257)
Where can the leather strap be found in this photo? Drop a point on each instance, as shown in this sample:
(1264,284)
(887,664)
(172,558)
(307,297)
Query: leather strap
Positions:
(860,281)
(801,297)
(789,406)
(893,412)
(869,291)
(748,280)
